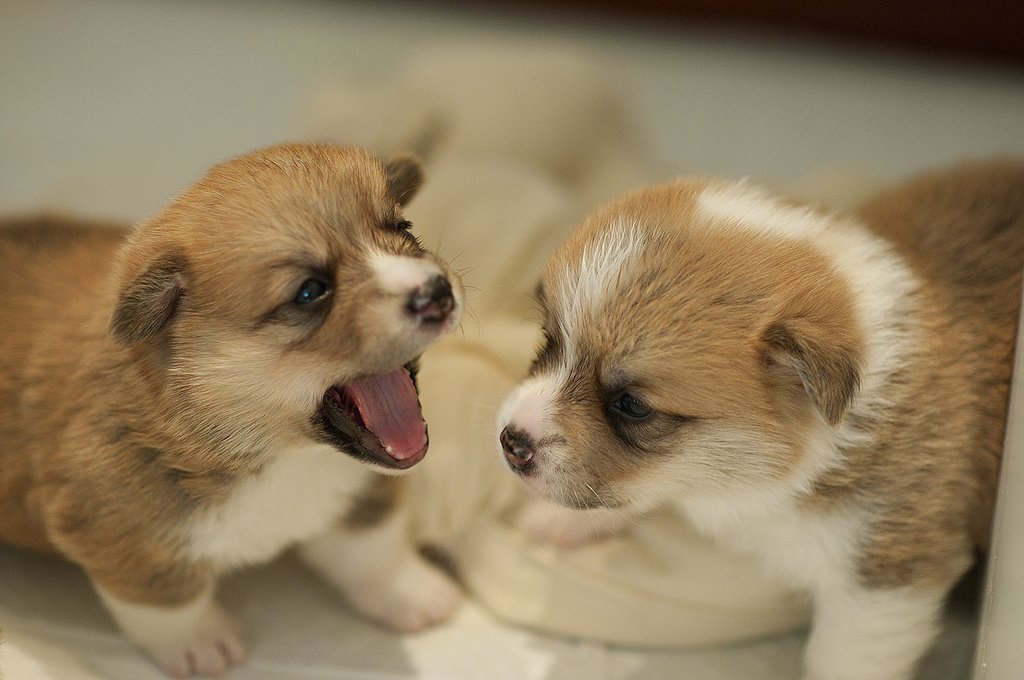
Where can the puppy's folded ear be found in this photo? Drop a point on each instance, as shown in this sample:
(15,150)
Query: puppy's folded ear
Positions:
(824,358)
(405,176)
(149,300)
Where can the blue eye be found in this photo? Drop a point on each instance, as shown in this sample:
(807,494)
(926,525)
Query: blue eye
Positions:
(310,290)
(630,406)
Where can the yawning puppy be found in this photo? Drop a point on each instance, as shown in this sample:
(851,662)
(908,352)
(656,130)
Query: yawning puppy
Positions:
(825,392)
(230,378)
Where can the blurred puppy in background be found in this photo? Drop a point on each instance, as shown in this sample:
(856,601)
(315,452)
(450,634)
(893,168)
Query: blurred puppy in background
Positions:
(826,392)
(234,376)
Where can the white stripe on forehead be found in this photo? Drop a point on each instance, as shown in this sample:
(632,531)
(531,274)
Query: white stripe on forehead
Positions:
(399,274)
(881,283)
(754,209)
(606,265)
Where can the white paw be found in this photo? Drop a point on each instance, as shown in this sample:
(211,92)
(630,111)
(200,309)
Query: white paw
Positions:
(211,649)
(565,528)
(198,638)
(415,597)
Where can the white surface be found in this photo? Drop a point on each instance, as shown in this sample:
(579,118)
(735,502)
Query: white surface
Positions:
(1000,655)
(109,108)
(314,636)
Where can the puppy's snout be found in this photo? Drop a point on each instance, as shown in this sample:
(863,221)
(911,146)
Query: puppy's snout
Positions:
(520,451)
(432,301)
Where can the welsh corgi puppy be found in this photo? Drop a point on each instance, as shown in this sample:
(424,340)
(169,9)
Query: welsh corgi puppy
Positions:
(827,392)
(233,377)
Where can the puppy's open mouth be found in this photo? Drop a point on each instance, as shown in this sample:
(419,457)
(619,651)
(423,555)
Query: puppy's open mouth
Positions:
(378,419)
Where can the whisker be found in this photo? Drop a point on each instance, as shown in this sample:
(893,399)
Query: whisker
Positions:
(596,494)
(471,314)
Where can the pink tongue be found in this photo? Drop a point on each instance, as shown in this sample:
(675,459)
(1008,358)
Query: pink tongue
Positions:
(390,409)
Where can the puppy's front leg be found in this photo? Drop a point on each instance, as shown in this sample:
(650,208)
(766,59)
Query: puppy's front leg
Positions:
(862,634)
(370,558)
(194,638)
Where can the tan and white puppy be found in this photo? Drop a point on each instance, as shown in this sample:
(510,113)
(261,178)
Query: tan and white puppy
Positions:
(227,380)
(826,392)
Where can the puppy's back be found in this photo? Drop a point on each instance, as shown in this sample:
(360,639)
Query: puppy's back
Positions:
(961,229)
(52,279)
(52,273)
(41,258)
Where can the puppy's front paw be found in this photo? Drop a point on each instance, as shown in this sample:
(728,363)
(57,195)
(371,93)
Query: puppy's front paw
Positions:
(416,596)
(566,528)
(198,638)
(212,649)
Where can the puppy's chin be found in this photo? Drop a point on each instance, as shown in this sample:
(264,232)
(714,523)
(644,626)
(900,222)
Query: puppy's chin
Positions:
(376,419)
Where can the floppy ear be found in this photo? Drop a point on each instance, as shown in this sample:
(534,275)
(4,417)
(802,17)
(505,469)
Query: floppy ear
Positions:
(405,176)
(826,362)
(149,301)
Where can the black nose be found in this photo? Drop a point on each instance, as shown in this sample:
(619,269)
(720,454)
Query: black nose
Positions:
(519,450)
(433,301)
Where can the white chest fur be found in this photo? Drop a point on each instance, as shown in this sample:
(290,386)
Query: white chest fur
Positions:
(810,550)
(297,496)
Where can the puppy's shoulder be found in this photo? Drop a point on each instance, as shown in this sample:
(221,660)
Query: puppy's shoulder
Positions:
(962,226)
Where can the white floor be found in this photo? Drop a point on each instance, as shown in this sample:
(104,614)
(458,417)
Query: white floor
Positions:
(109,108)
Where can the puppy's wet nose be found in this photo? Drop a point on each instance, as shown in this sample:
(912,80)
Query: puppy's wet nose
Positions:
(519,450)
(433,301)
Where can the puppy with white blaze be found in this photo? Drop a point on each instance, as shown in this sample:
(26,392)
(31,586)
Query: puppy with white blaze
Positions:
(825,392)
(233,377)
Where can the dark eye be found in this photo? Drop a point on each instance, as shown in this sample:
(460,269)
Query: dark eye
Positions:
(630,406)
(403,225)
(310,290)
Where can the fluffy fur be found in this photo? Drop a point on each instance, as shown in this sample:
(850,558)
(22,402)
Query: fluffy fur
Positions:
(826,392)
(164,396)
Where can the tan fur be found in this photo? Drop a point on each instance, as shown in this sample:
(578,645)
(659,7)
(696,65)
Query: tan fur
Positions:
(141,377)
(751,315)
(963,233)
(827,392)
(734,320)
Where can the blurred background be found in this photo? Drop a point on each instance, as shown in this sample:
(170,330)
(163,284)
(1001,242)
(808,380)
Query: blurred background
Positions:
(111,107)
